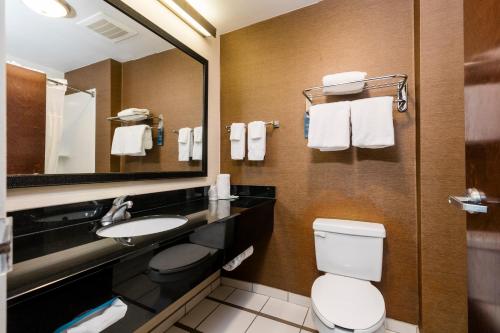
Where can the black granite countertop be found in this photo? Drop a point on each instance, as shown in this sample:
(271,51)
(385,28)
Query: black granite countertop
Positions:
(49,246)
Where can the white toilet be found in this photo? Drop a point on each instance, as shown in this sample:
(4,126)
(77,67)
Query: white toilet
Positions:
(343,299)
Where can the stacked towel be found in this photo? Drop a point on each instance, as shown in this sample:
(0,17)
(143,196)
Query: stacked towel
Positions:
(344,89)
(133,114)
(132,140)
(329,128)
(256,141)
(372,123)
(185,142)
(237,138)
(198,143)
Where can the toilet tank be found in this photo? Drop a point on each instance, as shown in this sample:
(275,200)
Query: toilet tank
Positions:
(349,248)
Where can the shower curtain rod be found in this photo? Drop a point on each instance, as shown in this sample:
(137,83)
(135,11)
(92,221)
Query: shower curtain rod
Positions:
(91,93)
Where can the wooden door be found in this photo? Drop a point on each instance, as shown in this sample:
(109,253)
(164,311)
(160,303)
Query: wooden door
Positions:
(482,116)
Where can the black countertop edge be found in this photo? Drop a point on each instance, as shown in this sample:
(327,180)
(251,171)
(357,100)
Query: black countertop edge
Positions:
(35,220)
(45,270)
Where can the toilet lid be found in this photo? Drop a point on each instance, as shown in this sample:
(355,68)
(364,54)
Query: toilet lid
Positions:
(347,302)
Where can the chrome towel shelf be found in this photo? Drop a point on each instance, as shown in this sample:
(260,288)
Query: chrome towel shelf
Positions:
(124,121)
(273,123)
(393,80)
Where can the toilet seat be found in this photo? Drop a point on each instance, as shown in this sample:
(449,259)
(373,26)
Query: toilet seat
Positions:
(347,302)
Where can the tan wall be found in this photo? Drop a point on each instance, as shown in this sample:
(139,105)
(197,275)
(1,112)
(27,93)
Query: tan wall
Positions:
(264,69)
(442,166)
(168,83)
(102,76)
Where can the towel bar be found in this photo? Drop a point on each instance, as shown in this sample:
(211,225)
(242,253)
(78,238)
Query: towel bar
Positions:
(274,123)
(400,81)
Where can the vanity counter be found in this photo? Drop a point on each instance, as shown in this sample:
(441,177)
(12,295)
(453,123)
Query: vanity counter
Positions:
(48,255)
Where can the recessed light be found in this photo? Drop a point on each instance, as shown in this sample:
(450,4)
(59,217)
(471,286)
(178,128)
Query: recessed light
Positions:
(50,8)
(190,16)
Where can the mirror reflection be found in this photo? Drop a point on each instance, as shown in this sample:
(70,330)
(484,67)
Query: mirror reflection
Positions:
(97,92)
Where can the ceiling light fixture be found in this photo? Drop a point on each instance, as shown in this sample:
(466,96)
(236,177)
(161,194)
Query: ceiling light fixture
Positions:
(190,16)
(50,8)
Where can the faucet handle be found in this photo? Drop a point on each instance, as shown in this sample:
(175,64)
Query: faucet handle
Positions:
(118,201)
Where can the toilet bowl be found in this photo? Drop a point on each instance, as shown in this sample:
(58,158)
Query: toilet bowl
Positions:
(342,304)
(343,299)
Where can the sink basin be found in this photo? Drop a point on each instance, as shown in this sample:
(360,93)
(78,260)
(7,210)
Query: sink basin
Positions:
(142,226)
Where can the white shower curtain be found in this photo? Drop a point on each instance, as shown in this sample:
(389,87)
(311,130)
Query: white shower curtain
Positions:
(53,124)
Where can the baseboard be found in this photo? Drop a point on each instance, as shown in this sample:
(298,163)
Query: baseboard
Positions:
(392,325)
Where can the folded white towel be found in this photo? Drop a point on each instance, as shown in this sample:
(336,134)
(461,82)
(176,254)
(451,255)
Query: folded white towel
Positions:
(329,128)
(132,140)
(372,123)
(183,136)
(237,138)
(99,319)
(185,144)
(198,143)
(256,141)
(344,89)
(133,114)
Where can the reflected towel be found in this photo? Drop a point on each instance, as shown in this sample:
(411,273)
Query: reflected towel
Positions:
(133,114)
(185,143)
(132,140)
(198,143)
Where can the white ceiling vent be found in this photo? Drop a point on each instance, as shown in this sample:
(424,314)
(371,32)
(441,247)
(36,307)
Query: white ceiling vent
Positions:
(107,27)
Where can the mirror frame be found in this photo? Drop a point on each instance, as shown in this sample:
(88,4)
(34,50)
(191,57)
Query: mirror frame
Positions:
(18,181)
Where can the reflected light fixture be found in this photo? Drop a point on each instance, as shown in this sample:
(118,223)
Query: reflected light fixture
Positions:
(190,16)
(50,8)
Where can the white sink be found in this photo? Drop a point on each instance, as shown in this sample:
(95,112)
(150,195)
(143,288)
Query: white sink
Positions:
(142,226)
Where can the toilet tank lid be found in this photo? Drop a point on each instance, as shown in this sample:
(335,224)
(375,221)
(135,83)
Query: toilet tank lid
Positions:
(349,227)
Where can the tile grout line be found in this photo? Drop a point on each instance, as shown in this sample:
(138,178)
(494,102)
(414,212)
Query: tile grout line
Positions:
(262,314)
(208,315)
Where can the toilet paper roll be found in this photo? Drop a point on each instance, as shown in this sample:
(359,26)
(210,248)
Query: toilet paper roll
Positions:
(224,186)
(223,209)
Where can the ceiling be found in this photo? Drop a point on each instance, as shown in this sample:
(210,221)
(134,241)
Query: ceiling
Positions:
(61,44)
(230,15)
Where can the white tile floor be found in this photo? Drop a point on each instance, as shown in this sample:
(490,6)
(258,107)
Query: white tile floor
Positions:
(232,310)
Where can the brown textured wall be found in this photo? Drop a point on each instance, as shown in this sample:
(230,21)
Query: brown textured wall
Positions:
(264,69)
(26,91)
(442,167)
(168,83)
(105,77)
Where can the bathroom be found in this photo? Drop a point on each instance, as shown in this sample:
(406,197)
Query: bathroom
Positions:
(232,166)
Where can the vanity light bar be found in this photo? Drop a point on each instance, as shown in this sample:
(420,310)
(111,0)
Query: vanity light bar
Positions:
(190,16)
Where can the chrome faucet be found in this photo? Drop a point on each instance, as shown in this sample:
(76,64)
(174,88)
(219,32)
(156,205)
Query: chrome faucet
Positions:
(118,211)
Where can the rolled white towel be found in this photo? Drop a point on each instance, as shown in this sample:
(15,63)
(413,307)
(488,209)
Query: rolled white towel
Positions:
(343,89)
(133,114)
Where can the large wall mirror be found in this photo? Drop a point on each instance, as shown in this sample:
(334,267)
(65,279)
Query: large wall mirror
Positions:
(101,95)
